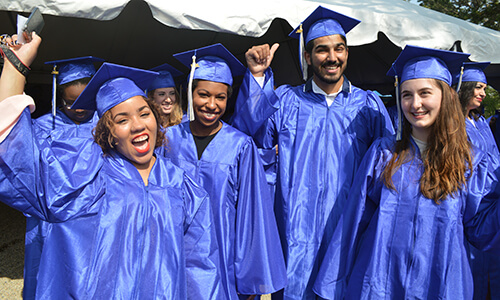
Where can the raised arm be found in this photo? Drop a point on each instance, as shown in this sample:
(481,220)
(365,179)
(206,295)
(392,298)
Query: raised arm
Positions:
(257,101)
(12,81)
(259,58)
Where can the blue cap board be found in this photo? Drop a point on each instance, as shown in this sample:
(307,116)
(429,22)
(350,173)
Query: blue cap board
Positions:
(212,63)
(322,22)
(111,85)
(472,71)
(74,68)
(418,62)
(68,70)
(166,78)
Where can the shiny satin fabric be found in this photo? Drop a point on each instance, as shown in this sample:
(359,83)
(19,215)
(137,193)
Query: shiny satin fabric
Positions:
(319,150)
(231,171)
(51,128)
(485,266)
(397,244)
(61,126)
(111,236)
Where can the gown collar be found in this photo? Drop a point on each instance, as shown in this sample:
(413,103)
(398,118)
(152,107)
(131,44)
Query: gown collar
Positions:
(346,86)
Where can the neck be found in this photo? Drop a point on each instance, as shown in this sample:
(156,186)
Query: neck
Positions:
(200,130)
(145,169)
(467,114)
(329,88)
(421,135)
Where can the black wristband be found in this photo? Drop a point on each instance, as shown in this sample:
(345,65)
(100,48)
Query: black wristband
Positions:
(14,60)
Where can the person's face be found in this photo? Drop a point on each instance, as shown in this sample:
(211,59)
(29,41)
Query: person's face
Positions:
(69,95)
(421,102)
(479,95)
(165,98)
(328,58)
(135,129)
(209,103)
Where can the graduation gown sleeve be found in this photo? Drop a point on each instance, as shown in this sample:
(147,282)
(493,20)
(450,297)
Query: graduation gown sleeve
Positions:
(259,264)
(200,244)
(360,207)
(254,109)
(482,214)
(47,182)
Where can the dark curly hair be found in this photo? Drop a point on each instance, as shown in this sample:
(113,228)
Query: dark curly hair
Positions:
(104,137)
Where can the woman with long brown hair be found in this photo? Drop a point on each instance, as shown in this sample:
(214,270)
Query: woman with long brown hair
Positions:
(416,198)
(471,86)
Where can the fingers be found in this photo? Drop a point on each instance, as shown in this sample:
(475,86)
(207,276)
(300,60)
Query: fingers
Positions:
(274,48)
(261,53)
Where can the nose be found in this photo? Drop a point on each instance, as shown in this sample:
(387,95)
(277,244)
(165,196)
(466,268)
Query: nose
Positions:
(416,103)
(211,104)
(137,125)
(331,55)
(482,93)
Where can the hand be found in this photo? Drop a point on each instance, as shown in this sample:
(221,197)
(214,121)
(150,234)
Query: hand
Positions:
(11,80)
(259,58)
(25,52)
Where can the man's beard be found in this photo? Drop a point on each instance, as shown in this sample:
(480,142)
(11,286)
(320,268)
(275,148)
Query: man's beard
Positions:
(326,79)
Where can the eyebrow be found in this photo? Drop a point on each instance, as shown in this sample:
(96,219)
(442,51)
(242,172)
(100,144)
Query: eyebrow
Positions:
(335,46)
(126,113)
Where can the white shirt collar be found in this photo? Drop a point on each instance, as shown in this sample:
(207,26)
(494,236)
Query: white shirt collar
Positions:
(329,97)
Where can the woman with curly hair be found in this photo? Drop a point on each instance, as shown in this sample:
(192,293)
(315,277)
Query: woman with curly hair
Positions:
(418,198)
(126,223)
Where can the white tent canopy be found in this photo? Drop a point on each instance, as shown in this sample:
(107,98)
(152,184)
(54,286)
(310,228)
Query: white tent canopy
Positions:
(402,22)
(145,33)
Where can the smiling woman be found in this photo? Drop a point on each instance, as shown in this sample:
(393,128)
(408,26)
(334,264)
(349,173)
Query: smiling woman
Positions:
(416,201)
(124,223)
(226,163)
(471,91)
(133,129)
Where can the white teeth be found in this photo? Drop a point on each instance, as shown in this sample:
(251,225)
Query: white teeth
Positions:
(140,139)
(209,115)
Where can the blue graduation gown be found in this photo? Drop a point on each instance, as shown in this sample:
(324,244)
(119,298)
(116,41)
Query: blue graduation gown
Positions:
(61,126)
(111,236)
(52,128)
(400,245)
(230,170)
(485,266)
(319,150)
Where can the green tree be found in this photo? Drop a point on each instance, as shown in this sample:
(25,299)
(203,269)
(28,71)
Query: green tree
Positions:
(491,103)
(483,12)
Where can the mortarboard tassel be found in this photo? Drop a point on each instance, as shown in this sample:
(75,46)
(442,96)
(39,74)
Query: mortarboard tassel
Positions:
(303,62)
(54,89)
(400,114)
(460,78)
(190,111)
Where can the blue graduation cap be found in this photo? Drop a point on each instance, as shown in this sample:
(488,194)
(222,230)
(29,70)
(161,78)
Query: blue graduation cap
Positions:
(212,63)
(418,62)
(321,22)
(471,71)
(68,70)
(111,85)
(166,77)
